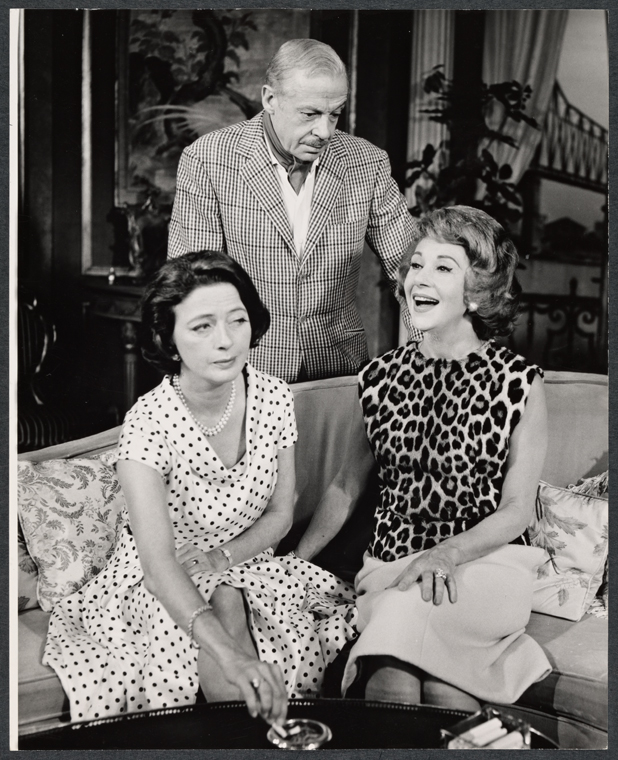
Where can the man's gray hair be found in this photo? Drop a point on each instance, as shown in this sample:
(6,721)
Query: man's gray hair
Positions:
(309,56)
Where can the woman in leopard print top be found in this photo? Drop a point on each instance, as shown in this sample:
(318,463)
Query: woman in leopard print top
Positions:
(440,431)
(457,426)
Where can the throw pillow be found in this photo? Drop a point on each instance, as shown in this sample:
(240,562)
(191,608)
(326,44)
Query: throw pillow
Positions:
(108,457)
(597,485)
(26,575)
(71,512)
(572,528)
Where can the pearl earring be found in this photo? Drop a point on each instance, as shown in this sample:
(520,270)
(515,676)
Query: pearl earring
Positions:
(176,357)
(472,306)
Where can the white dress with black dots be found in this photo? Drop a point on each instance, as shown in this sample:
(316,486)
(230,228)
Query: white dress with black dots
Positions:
(114,646)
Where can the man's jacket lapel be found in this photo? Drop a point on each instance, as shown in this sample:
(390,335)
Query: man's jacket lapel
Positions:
(331,172)
(258,173)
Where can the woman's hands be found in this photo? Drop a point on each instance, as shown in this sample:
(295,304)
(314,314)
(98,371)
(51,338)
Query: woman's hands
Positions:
(261,685)
(435,569)
(194,560)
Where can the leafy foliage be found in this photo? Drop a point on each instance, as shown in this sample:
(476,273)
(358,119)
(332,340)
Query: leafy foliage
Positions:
(181,74)
(437,184)
(174,71)
(567,524)
(602,545)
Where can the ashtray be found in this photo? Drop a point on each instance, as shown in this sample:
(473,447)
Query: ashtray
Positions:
(300,733)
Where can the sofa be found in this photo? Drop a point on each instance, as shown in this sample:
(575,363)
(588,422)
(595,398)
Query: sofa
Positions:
(569,706)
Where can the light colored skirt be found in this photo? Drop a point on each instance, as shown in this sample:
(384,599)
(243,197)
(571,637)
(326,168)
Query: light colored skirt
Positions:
(477,644)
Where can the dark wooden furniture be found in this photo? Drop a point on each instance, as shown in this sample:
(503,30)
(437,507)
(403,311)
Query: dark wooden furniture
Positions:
(119,301)
(43,419)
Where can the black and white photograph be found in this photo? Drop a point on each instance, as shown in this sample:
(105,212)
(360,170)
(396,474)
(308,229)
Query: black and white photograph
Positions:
(309,406)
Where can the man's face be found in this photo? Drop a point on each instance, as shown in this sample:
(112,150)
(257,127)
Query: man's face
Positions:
(304,111)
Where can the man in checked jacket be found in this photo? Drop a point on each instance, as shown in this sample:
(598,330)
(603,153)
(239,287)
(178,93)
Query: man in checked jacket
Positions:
(293,200)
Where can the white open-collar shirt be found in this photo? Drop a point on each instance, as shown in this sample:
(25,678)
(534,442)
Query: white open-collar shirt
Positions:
(298,207)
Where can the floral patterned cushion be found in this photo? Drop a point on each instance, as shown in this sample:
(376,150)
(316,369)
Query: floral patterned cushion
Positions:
(26,575)
(597,485)
(572,528)
(71,512)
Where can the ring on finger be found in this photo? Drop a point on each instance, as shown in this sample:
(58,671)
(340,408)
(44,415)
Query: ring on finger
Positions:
(195,562)
(439,573)
(255,683)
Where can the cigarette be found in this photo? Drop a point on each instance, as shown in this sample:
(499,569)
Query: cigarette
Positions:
(491,737)
(514,740)
(279,730)
(476,733)
(284,732)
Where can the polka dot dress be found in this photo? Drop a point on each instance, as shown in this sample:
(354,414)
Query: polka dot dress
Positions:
(113,645)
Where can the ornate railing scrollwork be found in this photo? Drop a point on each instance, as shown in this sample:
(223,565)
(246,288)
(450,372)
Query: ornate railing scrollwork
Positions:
(570,341)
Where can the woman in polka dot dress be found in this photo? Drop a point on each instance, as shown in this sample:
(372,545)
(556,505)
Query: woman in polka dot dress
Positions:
(193,595)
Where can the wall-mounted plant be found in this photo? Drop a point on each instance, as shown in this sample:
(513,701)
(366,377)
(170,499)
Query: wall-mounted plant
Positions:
(451,172)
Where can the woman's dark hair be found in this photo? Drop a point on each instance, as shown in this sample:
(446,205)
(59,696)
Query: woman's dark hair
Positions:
(490,282)
(170,286)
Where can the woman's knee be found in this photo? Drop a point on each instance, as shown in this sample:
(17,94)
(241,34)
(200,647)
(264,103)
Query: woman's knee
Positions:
(437,692)
(392,680)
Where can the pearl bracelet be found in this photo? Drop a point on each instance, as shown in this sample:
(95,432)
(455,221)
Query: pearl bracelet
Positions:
(199,611)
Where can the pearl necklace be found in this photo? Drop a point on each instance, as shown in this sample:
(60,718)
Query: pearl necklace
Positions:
(212,431)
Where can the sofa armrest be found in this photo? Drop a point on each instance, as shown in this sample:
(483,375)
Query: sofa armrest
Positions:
(82,447)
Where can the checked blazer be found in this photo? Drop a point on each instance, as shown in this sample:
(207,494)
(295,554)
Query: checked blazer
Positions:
(228,198)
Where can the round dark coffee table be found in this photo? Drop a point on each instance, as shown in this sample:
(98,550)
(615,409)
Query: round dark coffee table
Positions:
(355,724)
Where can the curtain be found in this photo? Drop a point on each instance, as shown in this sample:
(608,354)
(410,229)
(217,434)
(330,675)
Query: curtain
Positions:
(522,45)
(433,35)
(433,38)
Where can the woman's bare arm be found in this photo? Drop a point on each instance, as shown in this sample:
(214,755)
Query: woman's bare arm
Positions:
(527,450)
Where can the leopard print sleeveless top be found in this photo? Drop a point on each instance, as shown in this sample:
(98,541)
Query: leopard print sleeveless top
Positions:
(439,431)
